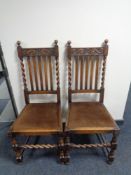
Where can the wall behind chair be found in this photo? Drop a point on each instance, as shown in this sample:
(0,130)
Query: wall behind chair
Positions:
(36,23)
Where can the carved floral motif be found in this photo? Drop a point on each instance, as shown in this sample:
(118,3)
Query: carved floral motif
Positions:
(39,52)
(87,51)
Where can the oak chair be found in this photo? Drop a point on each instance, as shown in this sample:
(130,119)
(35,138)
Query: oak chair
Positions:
(40,73)
(86,74)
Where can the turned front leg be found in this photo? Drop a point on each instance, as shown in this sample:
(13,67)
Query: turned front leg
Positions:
(16,148)
(67,149)
(61,149)
(111,155)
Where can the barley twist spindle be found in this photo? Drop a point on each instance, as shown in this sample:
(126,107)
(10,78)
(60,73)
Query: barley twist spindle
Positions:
(69,63)
(57,65)
(21,64)
(105,46)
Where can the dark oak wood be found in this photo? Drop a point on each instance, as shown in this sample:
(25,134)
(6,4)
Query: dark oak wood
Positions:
(38,119)
(35,72)
(30,73)
(46,74)
(96,72)
(86,71)
(91,72)
(43,92)
(81,72)
(76,73)
(51,79)
(89,117)
(40,72)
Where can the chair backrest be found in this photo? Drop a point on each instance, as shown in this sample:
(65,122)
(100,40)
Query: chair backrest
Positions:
(86,69)
(40,70)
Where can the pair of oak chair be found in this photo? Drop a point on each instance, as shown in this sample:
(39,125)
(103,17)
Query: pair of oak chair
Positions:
(86,74)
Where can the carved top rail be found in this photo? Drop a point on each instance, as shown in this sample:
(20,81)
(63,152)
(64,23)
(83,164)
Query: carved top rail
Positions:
(87,51)
(36,52)
(33,52)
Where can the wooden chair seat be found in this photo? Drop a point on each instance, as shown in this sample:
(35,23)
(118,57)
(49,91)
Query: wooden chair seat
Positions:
(90,117)
(38,119)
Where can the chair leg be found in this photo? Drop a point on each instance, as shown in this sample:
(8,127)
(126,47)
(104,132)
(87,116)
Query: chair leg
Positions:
(18,151)
(19,155)
(111,154)
(61,149)
(67,149)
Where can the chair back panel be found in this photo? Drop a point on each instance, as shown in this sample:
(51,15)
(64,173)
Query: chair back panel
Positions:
(40,69)
(86,69)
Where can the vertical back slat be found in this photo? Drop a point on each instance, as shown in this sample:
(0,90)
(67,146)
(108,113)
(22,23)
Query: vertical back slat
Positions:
(50,70)
(30,73)
(91,71)
(40,72)
(86,72)
(35,72)
(76,73)
(45,72)
(73,73)
(81,72)
(96,72)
